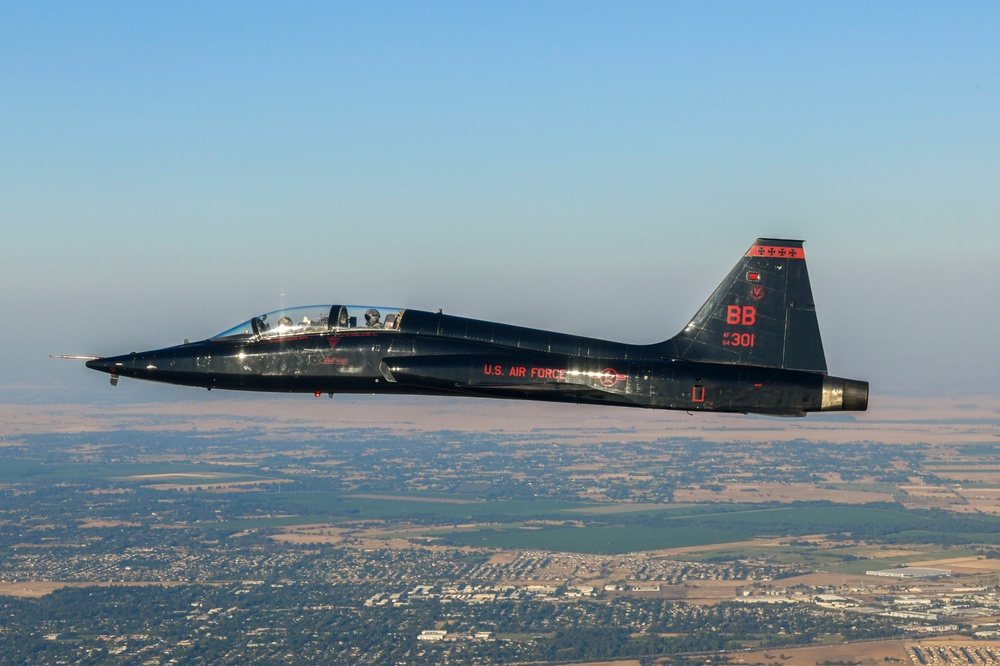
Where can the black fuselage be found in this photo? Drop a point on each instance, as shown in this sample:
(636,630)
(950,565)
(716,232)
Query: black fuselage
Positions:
(432,353)
(754,346)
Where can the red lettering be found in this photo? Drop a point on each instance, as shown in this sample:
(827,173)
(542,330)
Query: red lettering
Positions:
(745,315)
(554,374)
(731,339)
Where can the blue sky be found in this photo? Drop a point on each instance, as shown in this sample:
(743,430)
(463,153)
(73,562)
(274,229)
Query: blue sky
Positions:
(170,169)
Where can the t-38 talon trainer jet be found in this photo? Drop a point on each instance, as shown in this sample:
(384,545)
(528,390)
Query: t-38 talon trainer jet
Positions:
(753,347)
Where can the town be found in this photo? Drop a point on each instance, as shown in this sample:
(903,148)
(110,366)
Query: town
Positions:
(274,542)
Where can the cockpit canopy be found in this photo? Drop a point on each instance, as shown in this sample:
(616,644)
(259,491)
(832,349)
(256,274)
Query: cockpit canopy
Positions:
(310,319)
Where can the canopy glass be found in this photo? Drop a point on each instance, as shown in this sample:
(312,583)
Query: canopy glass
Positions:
(311,319)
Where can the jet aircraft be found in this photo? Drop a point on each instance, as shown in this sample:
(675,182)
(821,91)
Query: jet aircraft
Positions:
(753,347)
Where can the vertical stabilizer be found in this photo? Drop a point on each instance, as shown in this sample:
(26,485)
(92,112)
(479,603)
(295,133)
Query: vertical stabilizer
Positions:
(762,314)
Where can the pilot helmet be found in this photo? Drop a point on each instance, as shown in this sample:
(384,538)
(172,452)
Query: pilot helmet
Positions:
(372,315)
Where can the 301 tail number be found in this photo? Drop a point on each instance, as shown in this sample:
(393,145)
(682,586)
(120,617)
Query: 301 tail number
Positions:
(730,339)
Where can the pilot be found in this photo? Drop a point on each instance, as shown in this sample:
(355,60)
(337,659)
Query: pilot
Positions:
(284,325)
(372,317)
(344,320)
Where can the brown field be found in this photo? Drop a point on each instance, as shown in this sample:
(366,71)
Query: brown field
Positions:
(777,492)
(108,523)
(970,477)
(868,654)
(304,534)
(34,588)
(226,487)
(505,557)
(962,565)
(925,491)
(674,552)
(177,475)
(369,536)
(709,592)
(986,500)
(889,419)
(825,580)
(41,588)
(939,650)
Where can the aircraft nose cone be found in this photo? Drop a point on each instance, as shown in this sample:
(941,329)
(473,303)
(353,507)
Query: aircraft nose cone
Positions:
(113,364)
(102,364)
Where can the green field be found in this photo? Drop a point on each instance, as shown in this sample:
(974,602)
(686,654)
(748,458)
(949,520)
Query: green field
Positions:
(622,533)
(599,540)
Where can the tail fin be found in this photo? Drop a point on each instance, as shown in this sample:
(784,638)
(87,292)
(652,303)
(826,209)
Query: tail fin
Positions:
(762,314)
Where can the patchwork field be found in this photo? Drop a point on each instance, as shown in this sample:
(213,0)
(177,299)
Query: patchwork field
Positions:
(734,518)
